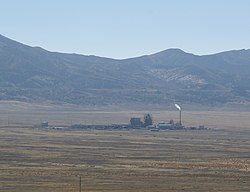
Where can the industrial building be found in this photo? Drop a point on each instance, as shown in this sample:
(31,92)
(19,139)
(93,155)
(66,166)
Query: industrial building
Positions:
(136,122)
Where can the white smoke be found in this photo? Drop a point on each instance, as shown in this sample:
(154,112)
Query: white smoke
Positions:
(177,106)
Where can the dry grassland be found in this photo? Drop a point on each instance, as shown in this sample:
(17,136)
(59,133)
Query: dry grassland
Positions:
(134,161)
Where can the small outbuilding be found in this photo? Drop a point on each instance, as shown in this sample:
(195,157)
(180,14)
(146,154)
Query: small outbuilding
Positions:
(44,124)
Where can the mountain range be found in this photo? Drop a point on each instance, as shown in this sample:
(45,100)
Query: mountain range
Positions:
(32,74)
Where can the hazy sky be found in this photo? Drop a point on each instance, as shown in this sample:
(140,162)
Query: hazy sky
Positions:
(128,28)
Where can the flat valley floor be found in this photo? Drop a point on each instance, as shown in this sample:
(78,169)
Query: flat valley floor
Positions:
(43,160)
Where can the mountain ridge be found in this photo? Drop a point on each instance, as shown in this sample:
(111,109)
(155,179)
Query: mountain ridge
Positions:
(33,74)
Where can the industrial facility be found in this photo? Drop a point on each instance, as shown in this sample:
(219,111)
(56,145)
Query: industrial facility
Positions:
(135,123)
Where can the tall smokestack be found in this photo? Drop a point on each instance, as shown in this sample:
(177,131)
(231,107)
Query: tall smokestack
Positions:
(179,108)
(180,117)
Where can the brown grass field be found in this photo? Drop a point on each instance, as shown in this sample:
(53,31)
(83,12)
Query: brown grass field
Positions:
(46,160)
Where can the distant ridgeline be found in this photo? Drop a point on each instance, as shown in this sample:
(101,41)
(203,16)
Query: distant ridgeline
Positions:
(32,74)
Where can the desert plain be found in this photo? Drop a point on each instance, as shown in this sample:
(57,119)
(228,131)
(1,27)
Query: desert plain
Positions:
(38,159)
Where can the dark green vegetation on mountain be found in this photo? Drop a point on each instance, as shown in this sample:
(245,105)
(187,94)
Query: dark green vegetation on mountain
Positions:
(33,74)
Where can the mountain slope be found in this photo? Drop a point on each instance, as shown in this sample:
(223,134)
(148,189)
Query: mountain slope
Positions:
(36,75)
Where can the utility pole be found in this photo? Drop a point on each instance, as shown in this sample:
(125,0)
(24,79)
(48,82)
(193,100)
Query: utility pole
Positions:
(80,184)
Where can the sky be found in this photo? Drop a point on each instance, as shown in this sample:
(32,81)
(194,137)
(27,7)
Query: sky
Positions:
(128,28)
